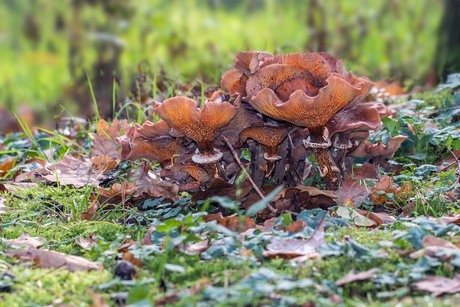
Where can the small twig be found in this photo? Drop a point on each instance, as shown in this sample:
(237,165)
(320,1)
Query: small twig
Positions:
(237,159)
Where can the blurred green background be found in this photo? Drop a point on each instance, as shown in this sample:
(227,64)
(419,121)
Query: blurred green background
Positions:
(50,50)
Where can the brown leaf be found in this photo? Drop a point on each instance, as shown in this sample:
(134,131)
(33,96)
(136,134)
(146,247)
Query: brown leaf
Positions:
(297,226)
(87,243)
(439,285)
(352,193)
(431,246)
(148,235)
(103,162)
(233,223)
(48,259)
(91,211)
(25,240)
(385,186)
(366,171)
(78,172)
(379,217)
(292,248)
(352,276)
(445,220)
(213,217)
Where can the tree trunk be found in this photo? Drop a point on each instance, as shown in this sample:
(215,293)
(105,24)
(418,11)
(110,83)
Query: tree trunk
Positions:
(447,59)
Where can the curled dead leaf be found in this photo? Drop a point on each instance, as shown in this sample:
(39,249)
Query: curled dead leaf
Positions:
(49,259)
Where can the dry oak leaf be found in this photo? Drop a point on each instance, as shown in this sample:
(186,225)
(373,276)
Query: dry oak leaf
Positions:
(74,171)
(439,285)
(105,140)
(295,248)
(48,259)
(352,276)
(379,217)
(352,193)
(103,162)
(385,186)
(25,240)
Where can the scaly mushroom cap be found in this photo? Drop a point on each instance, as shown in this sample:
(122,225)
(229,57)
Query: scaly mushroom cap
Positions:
(268,136)
(303,110)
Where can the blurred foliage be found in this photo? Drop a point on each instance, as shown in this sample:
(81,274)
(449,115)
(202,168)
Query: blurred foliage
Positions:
(46,47)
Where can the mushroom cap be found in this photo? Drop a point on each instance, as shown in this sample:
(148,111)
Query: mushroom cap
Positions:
(249,61)
(312,62)
(152,130)
(306,111)
(265,135)
(198,124)
(367,149)
(364,116)
(234,81)
(159,149)
(273,76)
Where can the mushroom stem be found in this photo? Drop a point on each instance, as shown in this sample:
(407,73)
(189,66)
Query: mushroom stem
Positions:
(340,146)
(327,168)
(319,142)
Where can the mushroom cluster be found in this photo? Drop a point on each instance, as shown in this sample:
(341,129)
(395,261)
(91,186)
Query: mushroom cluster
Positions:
(288,111)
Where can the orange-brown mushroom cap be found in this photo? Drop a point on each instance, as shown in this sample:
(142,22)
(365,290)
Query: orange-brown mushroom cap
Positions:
(268,136)
(202,125)
(306,111)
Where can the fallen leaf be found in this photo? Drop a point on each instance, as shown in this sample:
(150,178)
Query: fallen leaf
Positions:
(213,217)
(103,162)
(379,217)
(49,259)
(91,211)
(358,219)
(104,141)
(385,187)
(197,248)
(445,220)
(25,240)
(352,276)
(352,193)
(234,223)
(148,235)
(87,243)
(431,246)
(439,285)
(293,248)
(3,208)
(366,171)
(297,226)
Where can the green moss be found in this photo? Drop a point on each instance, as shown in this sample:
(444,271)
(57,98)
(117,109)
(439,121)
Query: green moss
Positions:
(35,287)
